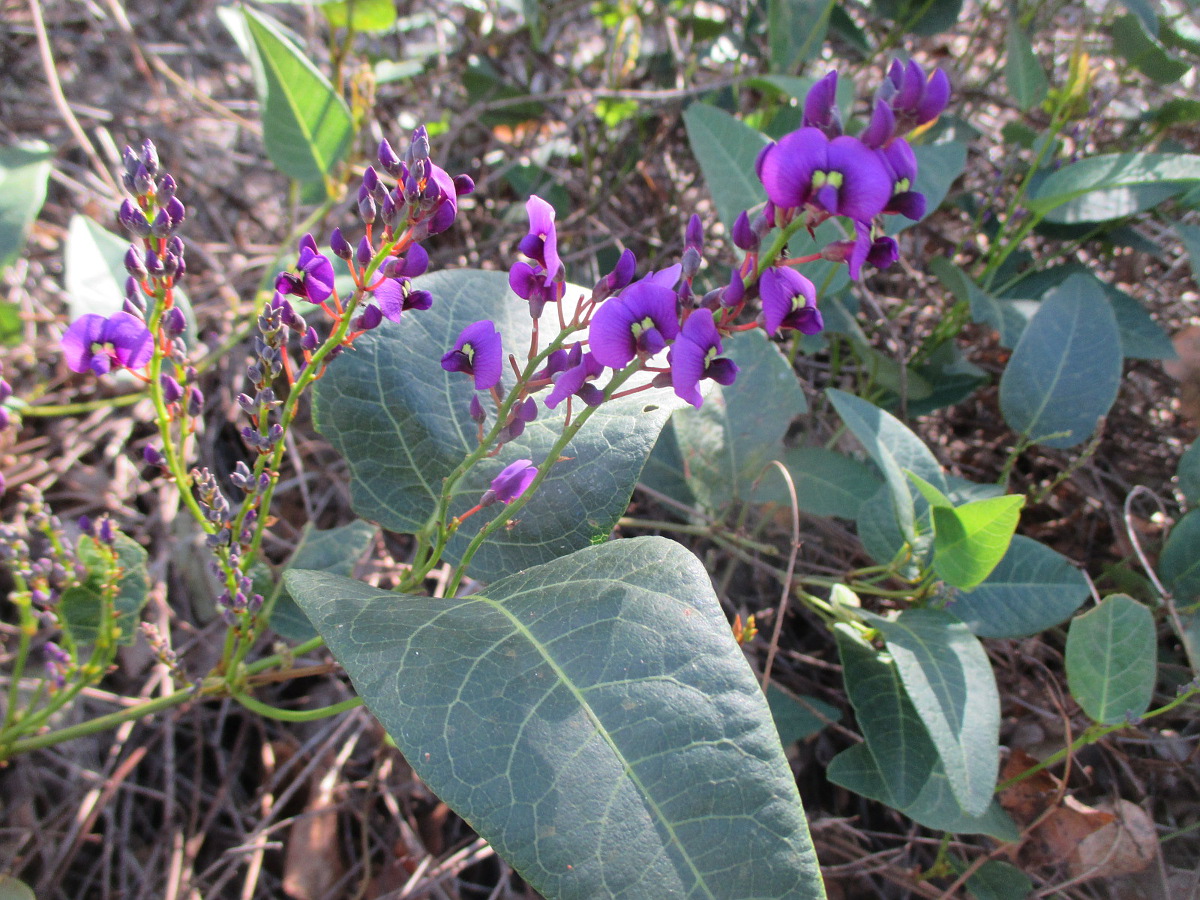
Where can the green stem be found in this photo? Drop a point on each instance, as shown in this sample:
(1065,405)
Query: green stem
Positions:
(75,409)
(698,530)
(294,715)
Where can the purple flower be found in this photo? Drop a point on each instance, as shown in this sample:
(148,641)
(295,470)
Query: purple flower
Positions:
(881,128)
(696,355)
(477,352)
(789,300)
(618,278)
(575,379)
(395,295)
(841,176)
(446,190)
(513,480)
(901,163)
(642,320)
(94,343)
(528,283)
(316,272)
(914,98)
(541,244)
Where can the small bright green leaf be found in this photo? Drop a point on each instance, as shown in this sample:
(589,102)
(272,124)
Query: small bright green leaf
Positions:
(1179,564)
(306,125)
(729,442)
(336,550)
(797,717)
(1023,73)
(934,807)
(24,171)
(969,541)
(403,424)
(15,889)
(1188,474)
(796,31)
(94,273)
(893,447)
(362,15)
(827,483)
(1031,589)
(1111,659)
(1112,186)
(726,149)
(933,496)
(1064,373)
(80,606)
(895,736)
(950,682)
(591,718)
(1144,52)
(996,880)
(11,326)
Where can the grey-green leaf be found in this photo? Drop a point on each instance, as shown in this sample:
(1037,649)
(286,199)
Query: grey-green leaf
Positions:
(798,717)
(403,425)
(81,606)
(827,483)
(1179,564)
(996,880)
(796,30)
(1064,373)
(1144,52)
(726,149)
(591,718)
(1111,659)
(950,682)
(1188,474)
(335,550)
(307,126)
(1024,74)
(1031,589)
(1112,186)
(24,171)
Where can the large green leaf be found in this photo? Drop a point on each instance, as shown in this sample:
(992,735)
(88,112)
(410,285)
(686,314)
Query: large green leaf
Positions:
(81,606)
(726,149)
(1143,51)
(894,448)
(403,425)
(1179,565)
(796,31)
(1188,474)
(24,171)
(361,15)
(1064,373)
(950,681)
(1112,186)
(798,717)
(996,880)
(591,718)
(934,807)
(827,483)
(1111,659)
(1031,589)
(894,733)
(1003,315)
(335,550)
(1022,72)
(924,17)
(307,126)
(729,442)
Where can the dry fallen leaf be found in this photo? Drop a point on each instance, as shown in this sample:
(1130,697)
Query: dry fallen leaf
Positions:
(1186,370)
(1125,845)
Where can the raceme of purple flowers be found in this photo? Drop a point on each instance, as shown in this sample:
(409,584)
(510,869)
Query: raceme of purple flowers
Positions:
(97,344)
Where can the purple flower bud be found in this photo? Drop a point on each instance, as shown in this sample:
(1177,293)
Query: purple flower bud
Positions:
(744,237)
(339,245)
(311,340)
(463,184)
(513,480)
(132,219)
(143,181)
(364,252)
(370,179)
(85,524)
(195,402)
(307,242)
(690,263)
(176,212)
(166,190)
(170,264)
(477,411)
(247,403)
(130,160)
(149,156)
(135,264)
(275,433)
(153,457)
(367,210)
(694,234)
(106,534)
(370,318)
(620,277)
(735,291)
(820,106)
(154,265)
(174,322)
(419,148)
(389,159)
(387,209)
(172,390)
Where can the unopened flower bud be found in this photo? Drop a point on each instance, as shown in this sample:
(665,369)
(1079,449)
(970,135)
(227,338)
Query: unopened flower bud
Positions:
(364,251)
(132,219)
(744,237)
(170,264)
(311,340)
(370,318)
(105,533)
(174,322)
(166,190)
(175,211)
(370,179)
(135,263)
(477,411)
(463,185)
(389,159)
(195,404)
(153,457)
(419,149)
(153,263)
(367,210)
(143,181)
(149,156)
(172,390)
(690,264)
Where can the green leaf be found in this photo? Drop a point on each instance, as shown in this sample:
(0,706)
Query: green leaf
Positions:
(1112,186)
(1023,73)
(307,127)
(1064,373)
(796,31)
(920,17)
(664,469)
(934,807)
(894,733)
(94,273)
(879,531)
(1144,10)
(361,15)
(592,719)
(950,682)
(1111,659)
(1031,589)
(1188,474)
(15,889)
(80,607)
(970,540)
(827,483)
(336,550)
(726,149)
(1003,315)
(893,447)
(996,880)
(1179,564)
(24,171)
(403,425)
(796,717)
(1144,52)
(1190,235)
(730,441)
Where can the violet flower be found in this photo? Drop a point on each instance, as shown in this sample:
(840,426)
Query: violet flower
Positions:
(541,244)
(575,379)
(315,281)
(696,355)
(641,321)
(789,300)
(915,99)
(477,352)
(901,163)
(842,176)
(94,343)
(513,480)
(820,106)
